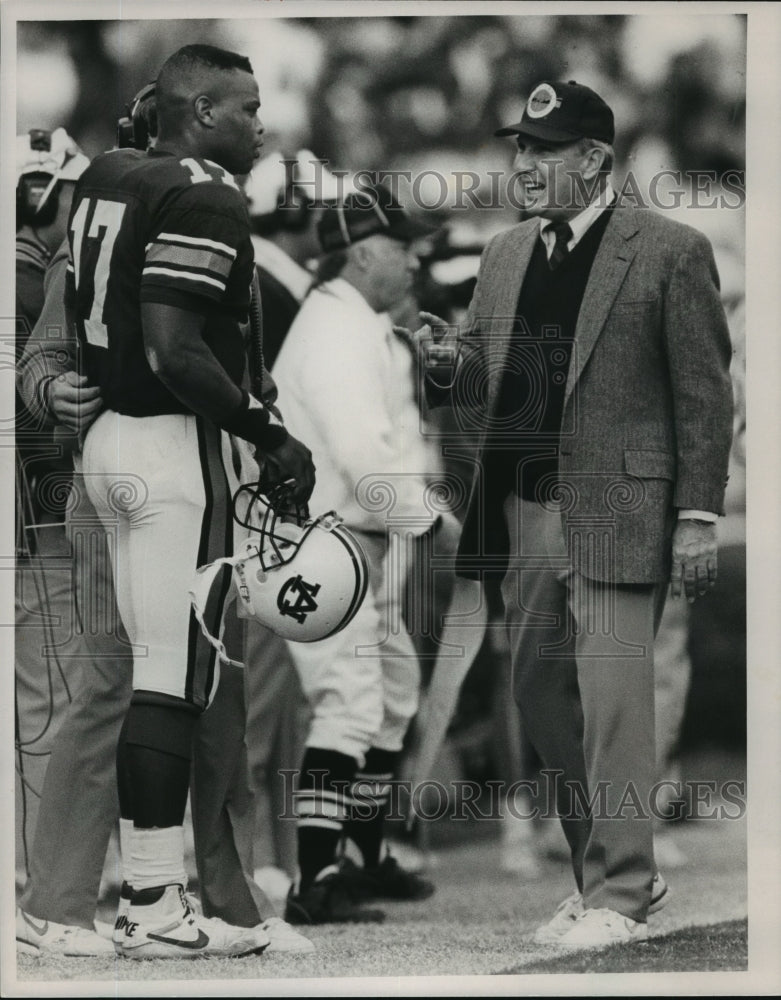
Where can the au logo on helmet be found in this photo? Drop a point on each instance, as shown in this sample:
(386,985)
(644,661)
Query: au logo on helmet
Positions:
(302,578)
(303,598)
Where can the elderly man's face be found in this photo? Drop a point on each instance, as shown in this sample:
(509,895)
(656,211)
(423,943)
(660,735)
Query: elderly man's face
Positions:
(553,181)
(393,268)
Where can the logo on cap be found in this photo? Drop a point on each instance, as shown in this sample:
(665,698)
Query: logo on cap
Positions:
(542,101)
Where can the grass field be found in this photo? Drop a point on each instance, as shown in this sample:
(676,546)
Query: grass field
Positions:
(479,923)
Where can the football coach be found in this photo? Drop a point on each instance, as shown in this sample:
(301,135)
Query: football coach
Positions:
(593,371)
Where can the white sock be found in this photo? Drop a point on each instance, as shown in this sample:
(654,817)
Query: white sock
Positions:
(125,849)
(157,857)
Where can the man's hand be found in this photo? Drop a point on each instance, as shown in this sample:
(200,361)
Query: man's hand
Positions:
(433,328)
(290,470)
(74,402)
(436,344)
(694,559)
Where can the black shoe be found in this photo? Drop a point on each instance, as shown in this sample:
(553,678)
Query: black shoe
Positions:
(328,900)
(387,880)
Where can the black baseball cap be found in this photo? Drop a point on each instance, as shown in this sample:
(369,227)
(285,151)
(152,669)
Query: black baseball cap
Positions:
(366,212)
(564,112)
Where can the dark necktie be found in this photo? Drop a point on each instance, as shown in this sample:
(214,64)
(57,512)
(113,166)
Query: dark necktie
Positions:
(563,233)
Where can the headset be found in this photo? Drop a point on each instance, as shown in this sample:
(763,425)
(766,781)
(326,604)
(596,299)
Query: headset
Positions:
(140,124)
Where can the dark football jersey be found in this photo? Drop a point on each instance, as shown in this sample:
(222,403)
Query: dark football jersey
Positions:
(149,227)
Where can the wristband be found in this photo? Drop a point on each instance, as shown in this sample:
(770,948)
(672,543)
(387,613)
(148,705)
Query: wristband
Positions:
(699,520)
(256,424)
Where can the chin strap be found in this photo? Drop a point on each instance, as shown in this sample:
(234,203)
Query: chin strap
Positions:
(199,597)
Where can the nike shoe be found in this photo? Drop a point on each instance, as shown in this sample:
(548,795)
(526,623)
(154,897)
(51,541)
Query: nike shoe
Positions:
(117,933)
(598,928)
(387,880)
(123,908)
(283,937)
(161,923)
(328,900)
(36,937)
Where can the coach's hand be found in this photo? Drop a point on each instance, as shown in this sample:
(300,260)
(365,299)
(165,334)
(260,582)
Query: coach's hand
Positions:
(433,329)
(290,470)
(694,559)
(72,401)
(435,344)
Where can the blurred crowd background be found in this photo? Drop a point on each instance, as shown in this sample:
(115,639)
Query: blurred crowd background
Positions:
(426,94)
(418,93)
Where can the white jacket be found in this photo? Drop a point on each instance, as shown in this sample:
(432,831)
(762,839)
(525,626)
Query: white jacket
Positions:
(347,390)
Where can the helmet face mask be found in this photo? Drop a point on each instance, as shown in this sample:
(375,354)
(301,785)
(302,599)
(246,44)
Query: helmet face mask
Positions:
(262,516)
(302,578)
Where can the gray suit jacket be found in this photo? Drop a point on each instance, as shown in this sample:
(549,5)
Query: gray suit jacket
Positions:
(647,419)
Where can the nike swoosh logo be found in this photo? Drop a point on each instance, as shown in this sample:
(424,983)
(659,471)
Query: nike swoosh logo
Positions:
(38,928)
(197,945)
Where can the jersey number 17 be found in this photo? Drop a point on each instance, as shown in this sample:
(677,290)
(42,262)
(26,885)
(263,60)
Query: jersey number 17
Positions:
(104,226)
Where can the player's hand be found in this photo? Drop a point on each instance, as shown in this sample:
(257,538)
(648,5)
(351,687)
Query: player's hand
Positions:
(694,559)
(289,472)
(74,402)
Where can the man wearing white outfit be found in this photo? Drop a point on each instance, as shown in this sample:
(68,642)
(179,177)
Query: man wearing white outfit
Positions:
(349,387)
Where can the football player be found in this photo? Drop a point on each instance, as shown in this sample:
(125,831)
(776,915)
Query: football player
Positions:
(57,907)
(158,287)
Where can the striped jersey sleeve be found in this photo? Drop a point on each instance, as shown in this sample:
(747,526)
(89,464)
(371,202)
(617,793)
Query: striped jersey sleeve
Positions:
(200,251)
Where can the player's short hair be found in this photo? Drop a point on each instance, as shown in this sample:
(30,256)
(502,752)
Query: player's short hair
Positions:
(189,61)
(191,57)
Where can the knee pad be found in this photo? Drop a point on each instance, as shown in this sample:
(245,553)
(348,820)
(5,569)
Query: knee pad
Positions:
(160,722)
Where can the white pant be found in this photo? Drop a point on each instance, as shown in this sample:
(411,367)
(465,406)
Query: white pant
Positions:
(363,682)
(162,487)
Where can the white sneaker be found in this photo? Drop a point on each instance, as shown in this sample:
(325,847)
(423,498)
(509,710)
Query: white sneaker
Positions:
(568,912)
(161,923)
(36,937)
(117,932)
(284,937)
(562,921)
(123,908)
(601,927)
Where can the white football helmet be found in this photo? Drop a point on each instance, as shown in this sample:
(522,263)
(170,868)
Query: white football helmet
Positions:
(303,579)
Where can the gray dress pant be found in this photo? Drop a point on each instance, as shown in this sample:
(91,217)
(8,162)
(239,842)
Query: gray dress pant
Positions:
(583,677)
